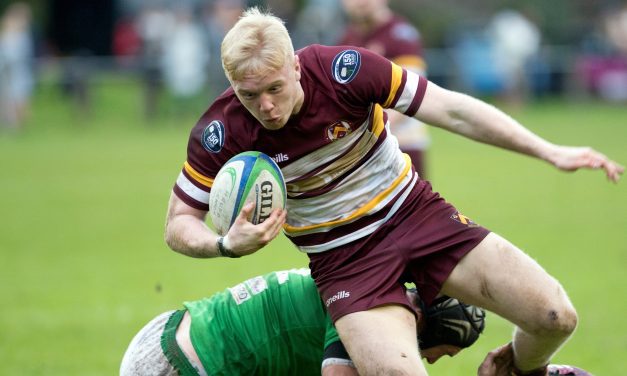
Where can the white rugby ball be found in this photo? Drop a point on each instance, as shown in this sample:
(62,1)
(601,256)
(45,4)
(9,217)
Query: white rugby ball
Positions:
(249,176)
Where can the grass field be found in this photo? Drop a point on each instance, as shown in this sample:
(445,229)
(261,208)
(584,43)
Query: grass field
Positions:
(84,265)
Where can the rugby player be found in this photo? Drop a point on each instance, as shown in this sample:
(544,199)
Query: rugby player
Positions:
(276,324)
(373,25)
(356,206)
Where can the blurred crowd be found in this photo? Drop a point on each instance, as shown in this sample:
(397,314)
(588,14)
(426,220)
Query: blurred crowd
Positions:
(174,46)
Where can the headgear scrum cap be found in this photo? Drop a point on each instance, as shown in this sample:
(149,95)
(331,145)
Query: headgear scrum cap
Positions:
(451,322)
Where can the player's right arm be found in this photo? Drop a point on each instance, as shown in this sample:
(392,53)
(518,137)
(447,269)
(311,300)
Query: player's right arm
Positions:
(186,231)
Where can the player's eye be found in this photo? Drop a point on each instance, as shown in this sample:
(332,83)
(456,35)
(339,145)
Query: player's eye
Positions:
(275,89)
(248,96)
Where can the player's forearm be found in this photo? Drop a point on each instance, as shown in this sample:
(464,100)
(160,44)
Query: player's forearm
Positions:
(188,235)
(485,123)
(482,122)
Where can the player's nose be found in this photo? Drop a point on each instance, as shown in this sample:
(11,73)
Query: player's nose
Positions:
(265,103)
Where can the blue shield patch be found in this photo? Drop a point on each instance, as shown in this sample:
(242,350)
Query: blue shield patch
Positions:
(346,66)
(213,136)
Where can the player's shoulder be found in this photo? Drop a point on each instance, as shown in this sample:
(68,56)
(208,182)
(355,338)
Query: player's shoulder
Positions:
(337,65)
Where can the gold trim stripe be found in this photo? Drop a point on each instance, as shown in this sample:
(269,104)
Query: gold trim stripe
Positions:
(397,76)
(377,120)
(202,179)
(359,212)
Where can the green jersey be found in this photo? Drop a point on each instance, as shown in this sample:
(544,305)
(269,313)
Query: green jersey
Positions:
(274,324)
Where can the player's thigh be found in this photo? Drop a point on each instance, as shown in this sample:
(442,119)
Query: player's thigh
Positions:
(500,277)
(382,341)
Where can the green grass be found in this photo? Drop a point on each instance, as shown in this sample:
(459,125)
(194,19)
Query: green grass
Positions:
(84,265)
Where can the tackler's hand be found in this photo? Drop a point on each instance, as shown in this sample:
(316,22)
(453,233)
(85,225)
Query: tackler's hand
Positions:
(498,362)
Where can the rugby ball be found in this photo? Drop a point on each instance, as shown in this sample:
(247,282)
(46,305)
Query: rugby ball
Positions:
(249,176)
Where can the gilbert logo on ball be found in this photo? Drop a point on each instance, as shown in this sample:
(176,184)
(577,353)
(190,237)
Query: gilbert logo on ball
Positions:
(249,176)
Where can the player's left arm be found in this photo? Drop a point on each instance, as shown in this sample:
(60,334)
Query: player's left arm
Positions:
(475,119)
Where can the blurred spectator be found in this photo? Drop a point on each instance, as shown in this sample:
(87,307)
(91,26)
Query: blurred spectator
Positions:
(516,42)
(16,64)
(603,67)
(616,30)
(154,24)
(185,55)
(77,70)
(287,10)
(320,21)
(373,25)
(218,17)
(473,54)
(126,41)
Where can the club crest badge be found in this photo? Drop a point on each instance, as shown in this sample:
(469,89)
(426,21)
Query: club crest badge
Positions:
(459,217)
(213,137)
(346,66)
(338,130)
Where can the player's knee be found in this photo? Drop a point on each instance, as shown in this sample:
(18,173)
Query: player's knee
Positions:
(556,321)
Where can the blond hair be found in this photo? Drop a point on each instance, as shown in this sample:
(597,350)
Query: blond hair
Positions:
(257,44)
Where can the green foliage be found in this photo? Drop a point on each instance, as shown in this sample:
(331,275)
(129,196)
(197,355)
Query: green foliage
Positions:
(84,194)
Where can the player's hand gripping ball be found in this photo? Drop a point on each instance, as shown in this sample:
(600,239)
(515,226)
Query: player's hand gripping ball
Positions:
(249,176)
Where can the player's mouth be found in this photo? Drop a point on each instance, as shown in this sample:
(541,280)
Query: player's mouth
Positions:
(273,119)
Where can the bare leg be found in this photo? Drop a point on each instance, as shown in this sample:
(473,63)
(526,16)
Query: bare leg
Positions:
(382,341)
(501,278)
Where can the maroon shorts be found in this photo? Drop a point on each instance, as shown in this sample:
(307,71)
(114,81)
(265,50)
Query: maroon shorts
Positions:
(421,243)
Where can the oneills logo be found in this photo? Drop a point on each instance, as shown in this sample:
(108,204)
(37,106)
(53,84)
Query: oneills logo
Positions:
(339,295)
(338,130)
(281,157)
(459,217)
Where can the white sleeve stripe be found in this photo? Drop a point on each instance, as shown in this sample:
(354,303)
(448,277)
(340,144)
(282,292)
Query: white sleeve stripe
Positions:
(409,91)
(191,190)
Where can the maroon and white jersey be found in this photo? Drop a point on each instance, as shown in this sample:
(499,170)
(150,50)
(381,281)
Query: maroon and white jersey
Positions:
(344,172)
